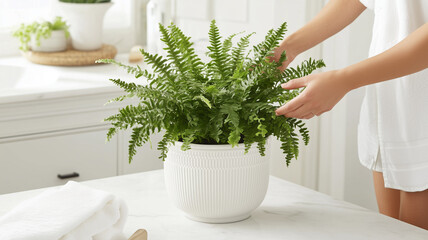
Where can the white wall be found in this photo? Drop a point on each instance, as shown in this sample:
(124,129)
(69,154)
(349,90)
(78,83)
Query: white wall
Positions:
(341,175)
(360,188)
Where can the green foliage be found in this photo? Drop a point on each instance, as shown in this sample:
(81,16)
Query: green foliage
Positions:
(231,99)
(85,1)
(38,30)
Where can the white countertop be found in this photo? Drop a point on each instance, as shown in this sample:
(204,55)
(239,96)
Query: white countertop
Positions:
(289,211)
(21,80)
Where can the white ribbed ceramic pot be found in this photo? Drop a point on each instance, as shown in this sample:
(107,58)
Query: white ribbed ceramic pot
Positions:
(57,42)
(86,23)
(216,183)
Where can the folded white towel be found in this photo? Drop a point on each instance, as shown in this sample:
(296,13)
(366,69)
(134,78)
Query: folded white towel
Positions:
(70,212)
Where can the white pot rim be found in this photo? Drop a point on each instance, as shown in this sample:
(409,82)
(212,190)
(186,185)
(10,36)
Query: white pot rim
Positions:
(88,7)
(104,3)
(56,32)
(226,146)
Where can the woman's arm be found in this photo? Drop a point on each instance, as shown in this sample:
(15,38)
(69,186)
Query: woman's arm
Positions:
(407,57)
(324,90)
(336,15)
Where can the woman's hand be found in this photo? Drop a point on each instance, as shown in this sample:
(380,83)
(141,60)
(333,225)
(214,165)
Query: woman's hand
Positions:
(277,54)
(323,91)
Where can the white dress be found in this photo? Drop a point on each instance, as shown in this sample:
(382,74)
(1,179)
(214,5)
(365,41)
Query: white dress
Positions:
(393,127)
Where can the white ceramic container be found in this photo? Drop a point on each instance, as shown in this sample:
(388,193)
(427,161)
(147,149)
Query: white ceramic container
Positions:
(86,23)
(57,42)
(216,183)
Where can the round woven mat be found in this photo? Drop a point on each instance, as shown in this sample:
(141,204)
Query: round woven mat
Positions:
(71,57)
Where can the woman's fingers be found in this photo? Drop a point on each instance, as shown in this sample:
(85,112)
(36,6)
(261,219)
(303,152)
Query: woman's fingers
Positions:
(277,52)
(283,66)
(301,112)
(286,63)
(290,106)
(295,103)
(321,94)
(322,112)
(309,116)
(295,83)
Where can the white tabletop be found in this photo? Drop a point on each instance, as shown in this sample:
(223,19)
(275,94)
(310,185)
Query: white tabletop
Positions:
(289,211)
(21,80)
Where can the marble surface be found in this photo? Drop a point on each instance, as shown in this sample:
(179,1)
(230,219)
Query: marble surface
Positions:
(289,211)
(21,80)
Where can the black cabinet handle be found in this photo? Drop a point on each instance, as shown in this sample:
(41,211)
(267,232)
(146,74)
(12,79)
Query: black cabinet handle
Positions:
(70,175)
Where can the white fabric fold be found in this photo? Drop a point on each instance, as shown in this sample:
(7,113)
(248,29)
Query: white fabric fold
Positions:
(69,212)
(394,117)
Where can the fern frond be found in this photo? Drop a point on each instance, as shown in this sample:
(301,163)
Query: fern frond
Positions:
(261,147)
(304,132)
(128,87)
(163,145)
(137,140)
(227,43)
(204,99)
(119,99)
(174,54)
(306,68)
(215,51)
(159,64)
(190,58)
(111,132)
(137,71)
(187,140)
(239,50)
(265,48)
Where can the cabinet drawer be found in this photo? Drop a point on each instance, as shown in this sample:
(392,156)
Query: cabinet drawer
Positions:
(36,161)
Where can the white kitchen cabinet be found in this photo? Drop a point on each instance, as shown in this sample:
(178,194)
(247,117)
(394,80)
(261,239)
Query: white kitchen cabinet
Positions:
(37,161)
(42,138)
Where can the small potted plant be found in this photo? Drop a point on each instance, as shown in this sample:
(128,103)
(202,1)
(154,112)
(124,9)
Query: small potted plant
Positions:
(216,117)
(43,36)
(86,22)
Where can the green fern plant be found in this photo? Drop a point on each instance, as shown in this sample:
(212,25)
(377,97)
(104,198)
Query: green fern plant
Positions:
(229,100)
